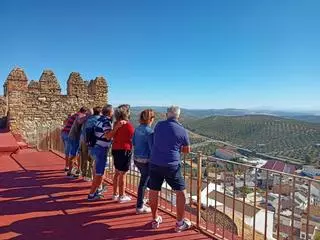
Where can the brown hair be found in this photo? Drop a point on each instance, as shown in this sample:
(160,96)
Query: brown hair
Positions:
(96,110)
(83,109)
(146,116)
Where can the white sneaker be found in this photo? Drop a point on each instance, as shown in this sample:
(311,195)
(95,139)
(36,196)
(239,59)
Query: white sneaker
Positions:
(156,222)
(115,197)
(124,199)
(186,224)
(144,209)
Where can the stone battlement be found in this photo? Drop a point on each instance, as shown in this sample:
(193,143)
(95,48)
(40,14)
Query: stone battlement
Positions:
(28,105)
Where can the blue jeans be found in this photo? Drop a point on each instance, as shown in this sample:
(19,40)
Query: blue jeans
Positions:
(73,146)
(144,179)
(65,139)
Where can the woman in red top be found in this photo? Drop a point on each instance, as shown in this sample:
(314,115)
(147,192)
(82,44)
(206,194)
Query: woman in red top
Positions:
(122,152)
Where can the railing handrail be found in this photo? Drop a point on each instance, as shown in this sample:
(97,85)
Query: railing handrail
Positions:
(258,168)
(194,176)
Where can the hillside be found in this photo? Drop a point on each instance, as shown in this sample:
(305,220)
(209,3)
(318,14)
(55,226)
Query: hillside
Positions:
(313,117)
(135,114)
(265,134)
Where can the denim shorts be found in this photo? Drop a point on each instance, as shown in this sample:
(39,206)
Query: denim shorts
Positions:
(172,175)
(73,147)
(100,156)
(65,139)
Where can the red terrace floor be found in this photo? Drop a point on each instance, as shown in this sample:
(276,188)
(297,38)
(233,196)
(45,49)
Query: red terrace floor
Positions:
(37,201)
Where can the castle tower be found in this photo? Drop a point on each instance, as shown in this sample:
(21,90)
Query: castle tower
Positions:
(16,90)
(99,89)
(76,86)
(16,81)
(49,83)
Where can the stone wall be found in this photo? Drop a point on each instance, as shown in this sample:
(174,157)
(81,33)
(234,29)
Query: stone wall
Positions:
(3,107)
(39,104)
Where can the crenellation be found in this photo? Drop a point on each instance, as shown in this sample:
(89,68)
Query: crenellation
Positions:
(76,85)
(17,80)
(33,87)
(49,83)
(38,104)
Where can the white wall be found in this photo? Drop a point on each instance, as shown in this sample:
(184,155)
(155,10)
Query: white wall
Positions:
(260,223)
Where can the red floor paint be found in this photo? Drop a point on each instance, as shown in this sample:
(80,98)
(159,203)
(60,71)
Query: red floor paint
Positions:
(37,201)
(7,142)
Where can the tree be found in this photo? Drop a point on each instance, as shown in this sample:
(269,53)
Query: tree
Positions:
(245,190)
(317,236)
(307,159)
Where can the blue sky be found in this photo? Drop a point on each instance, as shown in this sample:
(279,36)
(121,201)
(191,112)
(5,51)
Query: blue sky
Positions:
(198,54)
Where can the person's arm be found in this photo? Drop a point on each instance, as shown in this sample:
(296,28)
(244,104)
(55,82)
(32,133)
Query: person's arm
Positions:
(150,141)
(110,134)
(185,149)
(81,119)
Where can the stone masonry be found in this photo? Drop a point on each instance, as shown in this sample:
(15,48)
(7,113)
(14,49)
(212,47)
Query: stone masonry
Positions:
(32,105)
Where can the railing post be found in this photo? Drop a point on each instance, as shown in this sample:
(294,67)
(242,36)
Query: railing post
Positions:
(199,184)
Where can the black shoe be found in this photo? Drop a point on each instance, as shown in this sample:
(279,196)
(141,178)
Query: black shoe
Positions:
(70,175)
(66,169)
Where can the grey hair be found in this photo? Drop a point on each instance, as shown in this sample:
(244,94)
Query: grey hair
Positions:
(122,112)
(107,109)
(173,112)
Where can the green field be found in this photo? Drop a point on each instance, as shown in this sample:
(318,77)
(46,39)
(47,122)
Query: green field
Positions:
(261,133)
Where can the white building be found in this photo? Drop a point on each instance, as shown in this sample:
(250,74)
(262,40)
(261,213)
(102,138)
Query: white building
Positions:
(217,198)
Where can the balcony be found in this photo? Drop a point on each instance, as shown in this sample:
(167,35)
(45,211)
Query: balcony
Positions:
(225,199)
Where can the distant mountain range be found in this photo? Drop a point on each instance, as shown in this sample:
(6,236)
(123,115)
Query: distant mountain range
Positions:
(202,113)
(291,135)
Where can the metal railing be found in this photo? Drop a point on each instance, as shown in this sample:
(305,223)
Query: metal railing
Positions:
(228,199)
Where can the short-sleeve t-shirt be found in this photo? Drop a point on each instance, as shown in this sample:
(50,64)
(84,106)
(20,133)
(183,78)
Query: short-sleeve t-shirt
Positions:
(102,126)
(169,137)
(122,140)
(69,123)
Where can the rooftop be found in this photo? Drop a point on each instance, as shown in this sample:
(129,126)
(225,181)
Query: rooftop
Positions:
(38,201)
(279,166)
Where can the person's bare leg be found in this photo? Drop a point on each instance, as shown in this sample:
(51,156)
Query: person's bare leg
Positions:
(115,183)
(95,184)
(122,177)
(78,160)
(181,202)
(154,203)
(70,163)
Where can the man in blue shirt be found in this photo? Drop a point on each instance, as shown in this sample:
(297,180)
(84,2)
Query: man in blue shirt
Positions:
(170,140)
(104,132)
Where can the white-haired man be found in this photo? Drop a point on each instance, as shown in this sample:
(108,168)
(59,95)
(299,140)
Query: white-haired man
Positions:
(170,140)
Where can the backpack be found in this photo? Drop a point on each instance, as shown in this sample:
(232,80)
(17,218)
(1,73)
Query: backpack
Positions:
(90,137)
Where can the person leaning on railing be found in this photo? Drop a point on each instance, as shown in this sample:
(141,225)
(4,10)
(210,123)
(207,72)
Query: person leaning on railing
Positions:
(65,138)
(122,152)
(74,141)
(170,139)
(103,132)
(85,150)
(142,142)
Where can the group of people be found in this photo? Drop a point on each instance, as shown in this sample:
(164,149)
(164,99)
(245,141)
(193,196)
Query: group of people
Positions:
(90,134)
